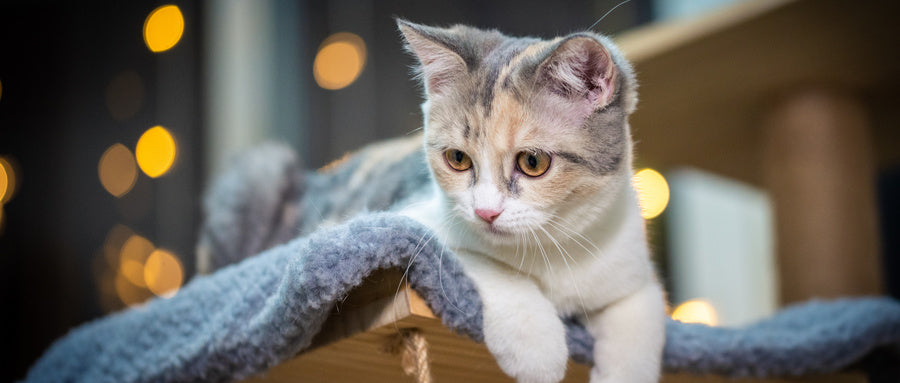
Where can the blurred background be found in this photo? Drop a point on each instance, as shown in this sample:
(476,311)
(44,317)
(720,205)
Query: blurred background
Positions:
(114,117)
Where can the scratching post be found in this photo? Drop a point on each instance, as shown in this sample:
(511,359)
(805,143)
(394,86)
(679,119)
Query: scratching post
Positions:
(415,356)
(820,171)
(412,346)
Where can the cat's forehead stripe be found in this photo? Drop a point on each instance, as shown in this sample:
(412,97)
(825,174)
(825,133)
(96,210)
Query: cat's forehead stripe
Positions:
(497,62)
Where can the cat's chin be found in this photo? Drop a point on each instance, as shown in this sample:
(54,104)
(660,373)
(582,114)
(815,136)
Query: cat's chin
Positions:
(497,235)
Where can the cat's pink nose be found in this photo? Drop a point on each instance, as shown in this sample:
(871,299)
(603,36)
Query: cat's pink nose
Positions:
(488,215)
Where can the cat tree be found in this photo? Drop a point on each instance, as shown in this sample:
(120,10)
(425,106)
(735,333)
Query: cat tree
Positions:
(776,93)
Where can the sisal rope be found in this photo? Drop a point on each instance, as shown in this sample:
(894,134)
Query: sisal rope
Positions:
(413,347)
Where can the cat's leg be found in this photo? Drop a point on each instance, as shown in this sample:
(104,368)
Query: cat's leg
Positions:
(629,336)
(521,327)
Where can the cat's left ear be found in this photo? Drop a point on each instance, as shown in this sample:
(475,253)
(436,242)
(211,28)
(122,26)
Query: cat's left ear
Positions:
(580,68)
(442,64)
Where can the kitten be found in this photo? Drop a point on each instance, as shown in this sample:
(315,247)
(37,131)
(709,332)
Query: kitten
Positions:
(529,149)
(524,173)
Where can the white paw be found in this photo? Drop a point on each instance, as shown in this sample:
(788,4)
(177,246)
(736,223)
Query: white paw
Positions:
(531,350)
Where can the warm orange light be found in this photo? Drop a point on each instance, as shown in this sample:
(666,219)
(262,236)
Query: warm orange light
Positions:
(340,61)
(653,192)
(124,95)
(128,293)
(1,90)
(131,260)
(163,28)
(155,151)
(112,246)
(696,311)
(117,170)
(7,181)
(163,273)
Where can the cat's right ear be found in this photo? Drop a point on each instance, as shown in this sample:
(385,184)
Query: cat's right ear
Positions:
(441,65)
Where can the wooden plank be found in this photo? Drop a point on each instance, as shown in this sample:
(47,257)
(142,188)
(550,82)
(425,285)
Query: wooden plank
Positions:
(364,355)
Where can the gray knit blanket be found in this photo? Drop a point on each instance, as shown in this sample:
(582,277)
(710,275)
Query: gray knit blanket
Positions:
(253,314)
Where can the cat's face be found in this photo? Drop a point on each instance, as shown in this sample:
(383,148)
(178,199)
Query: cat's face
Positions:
(523,135)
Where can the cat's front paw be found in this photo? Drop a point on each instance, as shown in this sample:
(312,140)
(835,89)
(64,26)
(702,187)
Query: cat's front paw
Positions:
(532,351)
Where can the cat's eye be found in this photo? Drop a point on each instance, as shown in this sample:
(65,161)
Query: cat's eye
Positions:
(458,160)
(533,164)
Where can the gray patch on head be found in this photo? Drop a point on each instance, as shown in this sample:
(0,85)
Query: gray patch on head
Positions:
(605,129)
(494,63)
(607,135)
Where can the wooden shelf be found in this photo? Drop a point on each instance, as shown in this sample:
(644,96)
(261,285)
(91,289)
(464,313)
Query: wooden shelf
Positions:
(705,83)
(354,346)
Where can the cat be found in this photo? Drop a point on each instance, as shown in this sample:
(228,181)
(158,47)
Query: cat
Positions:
(529,148)
(523,170)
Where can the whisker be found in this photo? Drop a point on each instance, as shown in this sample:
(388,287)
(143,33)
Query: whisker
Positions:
(606,14)
(573,239)
(565,254)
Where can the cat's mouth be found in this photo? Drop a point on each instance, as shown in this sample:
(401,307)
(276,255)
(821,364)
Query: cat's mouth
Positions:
(494,230)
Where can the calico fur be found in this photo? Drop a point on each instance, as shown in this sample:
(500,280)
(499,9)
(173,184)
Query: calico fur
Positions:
(569,242)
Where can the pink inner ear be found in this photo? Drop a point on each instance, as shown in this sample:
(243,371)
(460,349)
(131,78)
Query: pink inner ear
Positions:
(582,68)
(441,69)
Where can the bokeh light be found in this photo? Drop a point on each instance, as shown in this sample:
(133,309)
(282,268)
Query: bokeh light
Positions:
(696,311)
(117,170)
(124,95)
(163,273)
(134,253)
(128,293)
(155,151)
(653,192)
(340,60)
(7,181)
(115,240)
(163,28)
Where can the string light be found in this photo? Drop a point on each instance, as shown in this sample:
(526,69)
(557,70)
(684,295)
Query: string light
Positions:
(117,170)
(340,61)
(7,181)
(163,28)
(115,240)
(653,192)
(163,273)
(131,259)
(155,151)
(696,311)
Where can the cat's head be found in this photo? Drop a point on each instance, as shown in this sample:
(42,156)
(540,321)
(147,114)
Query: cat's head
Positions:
(521,133)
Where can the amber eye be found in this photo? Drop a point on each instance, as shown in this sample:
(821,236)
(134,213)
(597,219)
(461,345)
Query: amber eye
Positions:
(533,164)
(458,160)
